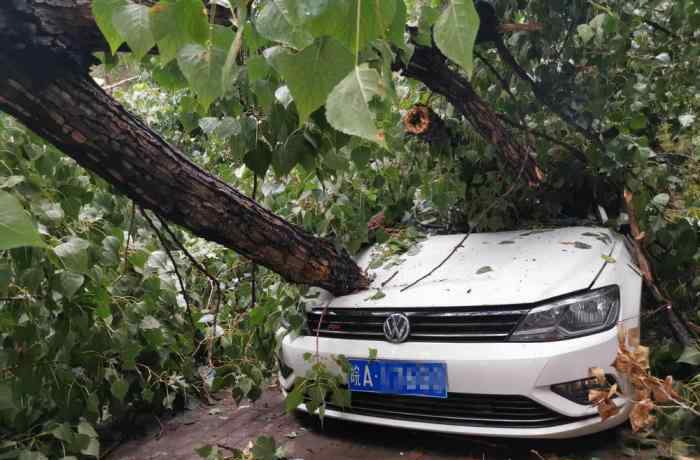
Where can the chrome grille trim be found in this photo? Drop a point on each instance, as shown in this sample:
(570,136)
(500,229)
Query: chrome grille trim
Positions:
(439,324)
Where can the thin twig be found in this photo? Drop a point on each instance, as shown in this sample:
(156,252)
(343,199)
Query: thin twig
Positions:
(679,329)
(543,96)
(577,153)
(386,281)
(254,270)
(566,41)
(128,236)
(109,88)
(185,295)
(504,84)
(318,329)
(213,281)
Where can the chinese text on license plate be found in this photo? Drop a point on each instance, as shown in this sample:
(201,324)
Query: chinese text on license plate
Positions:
(398,377)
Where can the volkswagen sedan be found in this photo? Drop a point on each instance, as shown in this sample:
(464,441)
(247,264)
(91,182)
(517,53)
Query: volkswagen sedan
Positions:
(498,341)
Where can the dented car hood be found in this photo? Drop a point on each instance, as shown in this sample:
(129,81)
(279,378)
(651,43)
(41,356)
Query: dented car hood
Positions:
(503,268)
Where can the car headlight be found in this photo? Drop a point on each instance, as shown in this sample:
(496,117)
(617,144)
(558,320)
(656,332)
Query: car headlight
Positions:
(574,316)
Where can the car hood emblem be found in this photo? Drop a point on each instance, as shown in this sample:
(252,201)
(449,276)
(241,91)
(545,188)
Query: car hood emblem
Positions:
(397,327)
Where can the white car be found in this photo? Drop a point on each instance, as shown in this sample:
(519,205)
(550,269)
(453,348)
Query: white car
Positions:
(498,341)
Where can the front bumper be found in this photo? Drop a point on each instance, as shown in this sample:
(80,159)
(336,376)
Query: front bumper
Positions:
(503,368)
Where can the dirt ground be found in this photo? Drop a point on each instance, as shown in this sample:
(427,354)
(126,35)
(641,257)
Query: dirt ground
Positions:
(228,426)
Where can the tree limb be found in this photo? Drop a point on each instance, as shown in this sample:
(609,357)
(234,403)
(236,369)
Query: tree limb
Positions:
(44,83)
(430,67)
(680,331)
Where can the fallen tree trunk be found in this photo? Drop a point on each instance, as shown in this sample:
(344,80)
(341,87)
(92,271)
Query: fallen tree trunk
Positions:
(44,83)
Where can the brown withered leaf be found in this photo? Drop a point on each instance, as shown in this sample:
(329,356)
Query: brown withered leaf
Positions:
(607,409)
(633,338)
(621,335)
(640,416)
(597,396)
(641,356)
(663,391)
(642,393)
(622,363)
(602,400)
(599,375)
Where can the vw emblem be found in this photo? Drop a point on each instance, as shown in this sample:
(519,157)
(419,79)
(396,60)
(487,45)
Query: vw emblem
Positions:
(397,327)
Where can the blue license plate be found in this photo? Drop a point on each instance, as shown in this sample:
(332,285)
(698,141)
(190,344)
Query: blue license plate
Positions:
(398,377)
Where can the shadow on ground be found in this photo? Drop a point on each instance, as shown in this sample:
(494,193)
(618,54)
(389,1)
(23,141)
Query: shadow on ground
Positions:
(228,426)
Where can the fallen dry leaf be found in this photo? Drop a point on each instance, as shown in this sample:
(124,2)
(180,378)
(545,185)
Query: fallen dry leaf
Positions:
(597,396)
(599,375)
(663,391)
(640,416)
(641,356)
(607,409)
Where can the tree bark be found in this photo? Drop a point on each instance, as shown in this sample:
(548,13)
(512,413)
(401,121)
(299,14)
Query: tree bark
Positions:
(44,83)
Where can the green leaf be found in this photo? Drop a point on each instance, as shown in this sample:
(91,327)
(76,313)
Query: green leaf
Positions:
(326,59)
(258,68)
(93,447)
(31,455)
(275,26)
(285,158)
(192,20)
(661,200)
(376,296)
(63,432)
(348,105)
(74,254)
(483,270)
(16,228)
(120,388)
(258,160)
(398,25)
(103,11)
(264,448)
(355,23)
(638,121)
(175,23)
(169,37)
(294,398)
(70,282)
(133,23)
(7,397)
(203,66)
(585,32)
(455,33)
(691,355)
(361,156)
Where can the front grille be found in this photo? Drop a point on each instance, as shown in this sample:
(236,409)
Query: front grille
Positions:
(474,324)
(508,411)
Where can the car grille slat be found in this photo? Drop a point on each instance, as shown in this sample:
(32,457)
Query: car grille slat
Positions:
(457,409)
(473,324)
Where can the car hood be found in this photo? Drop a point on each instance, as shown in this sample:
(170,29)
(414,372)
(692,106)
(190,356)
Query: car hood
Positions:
(503,268)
